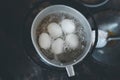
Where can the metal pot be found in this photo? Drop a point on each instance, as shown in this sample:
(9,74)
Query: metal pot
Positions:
(74,13)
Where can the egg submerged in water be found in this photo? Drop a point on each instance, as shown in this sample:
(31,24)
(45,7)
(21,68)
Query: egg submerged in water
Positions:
(57,46)
(54,30)
(56,41)
(72,41)
(67,25)
(44,41)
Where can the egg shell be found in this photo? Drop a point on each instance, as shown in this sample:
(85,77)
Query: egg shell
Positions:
(44,41)
(57,46)
(54,30)
(72,41)
(68,26)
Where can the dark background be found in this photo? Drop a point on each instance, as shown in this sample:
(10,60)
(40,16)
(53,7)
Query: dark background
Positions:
(14,62)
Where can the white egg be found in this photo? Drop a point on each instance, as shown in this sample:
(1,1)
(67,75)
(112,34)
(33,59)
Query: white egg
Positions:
(68,26)
(54,30)
(72,41)
(102,36)
(57,46)
(44,41)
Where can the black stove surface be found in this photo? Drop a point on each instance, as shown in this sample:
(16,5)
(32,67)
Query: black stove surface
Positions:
(16,62)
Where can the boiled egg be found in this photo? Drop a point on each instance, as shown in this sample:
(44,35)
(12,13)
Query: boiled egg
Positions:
(44,41)
(72,41)
(67,25)
(57,46)
(54,30)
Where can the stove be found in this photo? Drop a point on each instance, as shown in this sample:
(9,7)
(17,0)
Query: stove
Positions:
(18,57)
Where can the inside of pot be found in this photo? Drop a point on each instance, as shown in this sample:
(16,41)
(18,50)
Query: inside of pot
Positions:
(61,35)
(68,55)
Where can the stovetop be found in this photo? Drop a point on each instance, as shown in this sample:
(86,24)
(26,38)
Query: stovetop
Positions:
(17,61)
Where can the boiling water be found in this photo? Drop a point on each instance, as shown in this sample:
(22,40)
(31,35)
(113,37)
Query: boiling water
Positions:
(69,55)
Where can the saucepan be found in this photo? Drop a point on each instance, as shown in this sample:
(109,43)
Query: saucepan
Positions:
(69,65)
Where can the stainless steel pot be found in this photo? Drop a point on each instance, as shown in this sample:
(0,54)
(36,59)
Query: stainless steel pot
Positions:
(76,14)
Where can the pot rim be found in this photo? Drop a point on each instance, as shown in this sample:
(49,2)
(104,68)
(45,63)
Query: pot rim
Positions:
(37,47)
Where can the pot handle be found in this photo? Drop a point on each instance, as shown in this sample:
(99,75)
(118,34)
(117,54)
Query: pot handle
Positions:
(70,70)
